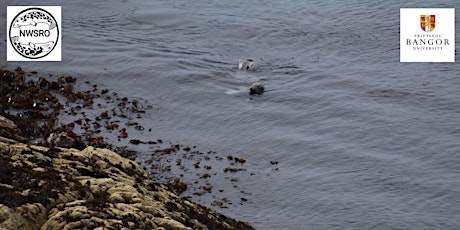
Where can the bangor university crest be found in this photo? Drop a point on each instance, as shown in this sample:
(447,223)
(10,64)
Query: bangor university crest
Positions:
(427,22)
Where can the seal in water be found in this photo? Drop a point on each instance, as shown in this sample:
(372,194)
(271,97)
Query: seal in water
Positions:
(256,88)
(251,65)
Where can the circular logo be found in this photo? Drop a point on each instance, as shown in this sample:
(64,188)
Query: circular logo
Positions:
(34,33)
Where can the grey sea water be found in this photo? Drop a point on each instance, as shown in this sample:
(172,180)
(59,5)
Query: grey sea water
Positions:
(362,141)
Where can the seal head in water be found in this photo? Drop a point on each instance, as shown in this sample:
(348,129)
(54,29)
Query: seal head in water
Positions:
(256,89)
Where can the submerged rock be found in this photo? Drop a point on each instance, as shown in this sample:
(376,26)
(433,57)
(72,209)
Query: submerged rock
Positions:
(61,139)
(56,188)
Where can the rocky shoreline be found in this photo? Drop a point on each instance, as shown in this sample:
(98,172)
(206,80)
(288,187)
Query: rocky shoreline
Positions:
(58,188)
(53,178)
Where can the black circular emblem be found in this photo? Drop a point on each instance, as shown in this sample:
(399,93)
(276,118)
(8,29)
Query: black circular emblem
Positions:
(34,33)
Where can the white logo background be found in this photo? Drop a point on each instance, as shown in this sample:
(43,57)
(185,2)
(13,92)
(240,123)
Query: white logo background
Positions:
(54,55)
(410,26)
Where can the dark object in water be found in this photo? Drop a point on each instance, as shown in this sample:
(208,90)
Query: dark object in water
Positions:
(256,89)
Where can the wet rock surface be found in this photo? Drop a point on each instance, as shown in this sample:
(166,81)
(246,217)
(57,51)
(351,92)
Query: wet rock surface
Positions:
(50,111)
(58,188)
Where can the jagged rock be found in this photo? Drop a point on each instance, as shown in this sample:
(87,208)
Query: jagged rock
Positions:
(56,188)
(9,129)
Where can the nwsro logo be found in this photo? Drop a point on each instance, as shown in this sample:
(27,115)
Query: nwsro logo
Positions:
(34,33)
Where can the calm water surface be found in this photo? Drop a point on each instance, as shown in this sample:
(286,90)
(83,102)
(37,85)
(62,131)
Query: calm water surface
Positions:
(362,140)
